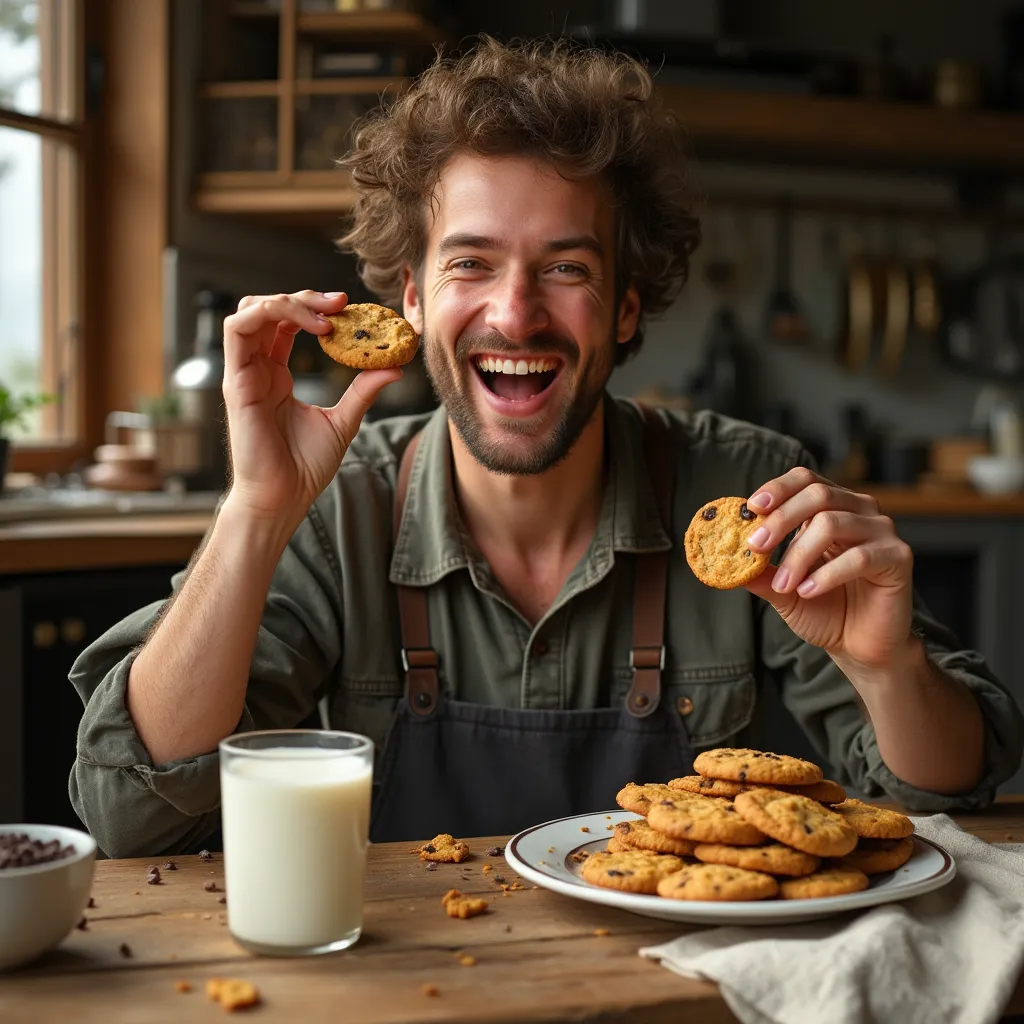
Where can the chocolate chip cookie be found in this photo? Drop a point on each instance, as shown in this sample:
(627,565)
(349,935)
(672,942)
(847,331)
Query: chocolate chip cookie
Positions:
(772,858)
(716,544)
(369,337)
(829,882)
(638,835)
(705,819)
(874,822)
(715,882)
(741,764)
(637,797)
(633,871)
(797,821)
(876,856)
(826,791)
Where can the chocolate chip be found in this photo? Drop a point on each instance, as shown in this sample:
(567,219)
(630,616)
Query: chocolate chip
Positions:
(743,776)
(361,334)
(170,866)
(808,829)
(745,513)
(90,904)
(383,348)
(18,850)
(205,855)
(430,848)
(125,950)
(494,851)
(499,880)
(710,513)
(153,877)
(612,873)
(210,886)
(432,866)
(223,899)
(83,924)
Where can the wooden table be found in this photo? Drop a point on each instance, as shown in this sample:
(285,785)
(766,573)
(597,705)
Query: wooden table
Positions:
(538,955)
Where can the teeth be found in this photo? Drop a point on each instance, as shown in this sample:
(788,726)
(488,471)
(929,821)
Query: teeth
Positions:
(489,364)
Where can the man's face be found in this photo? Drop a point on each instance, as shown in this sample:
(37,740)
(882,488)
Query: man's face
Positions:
(516,307)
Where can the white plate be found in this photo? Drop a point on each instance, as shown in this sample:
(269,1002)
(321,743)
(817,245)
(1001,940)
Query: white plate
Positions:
(543,854)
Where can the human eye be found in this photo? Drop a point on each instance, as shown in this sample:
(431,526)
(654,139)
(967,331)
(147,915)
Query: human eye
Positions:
(466,264)
(570,270)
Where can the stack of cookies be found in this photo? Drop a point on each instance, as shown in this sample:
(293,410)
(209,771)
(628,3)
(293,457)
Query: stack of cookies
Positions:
(750,825)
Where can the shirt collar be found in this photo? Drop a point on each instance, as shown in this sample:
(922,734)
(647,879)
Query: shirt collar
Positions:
(432,541)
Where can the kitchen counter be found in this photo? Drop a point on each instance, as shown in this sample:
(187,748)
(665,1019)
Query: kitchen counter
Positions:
(102,542)
(952,502)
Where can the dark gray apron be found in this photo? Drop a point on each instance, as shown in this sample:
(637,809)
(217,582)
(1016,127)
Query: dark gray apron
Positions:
(475,770)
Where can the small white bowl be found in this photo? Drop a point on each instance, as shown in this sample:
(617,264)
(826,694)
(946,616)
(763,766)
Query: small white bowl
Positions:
(40,904)
(996,474)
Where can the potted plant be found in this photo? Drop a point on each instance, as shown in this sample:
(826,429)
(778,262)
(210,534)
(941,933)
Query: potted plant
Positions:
(13,410)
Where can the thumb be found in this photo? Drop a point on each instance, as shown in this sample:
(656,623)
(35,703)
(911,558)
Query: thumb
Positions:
(348,413)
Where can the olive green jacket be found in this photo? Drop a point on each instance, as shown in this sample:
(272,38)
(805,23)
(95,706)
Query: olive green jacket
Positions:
(329,635)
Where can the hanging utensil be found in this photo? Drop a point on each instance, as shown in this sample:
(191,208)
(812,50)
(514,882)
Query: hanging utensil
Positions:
(784,319)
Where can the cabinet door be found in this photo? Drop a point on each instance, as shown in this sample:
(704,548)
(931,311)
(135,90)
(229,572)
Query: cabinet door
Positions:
(61,614)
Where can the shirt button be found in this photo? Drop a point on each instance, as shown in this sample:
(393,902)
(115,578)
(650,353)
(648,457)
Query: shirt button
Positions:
(540,648)
(684,705)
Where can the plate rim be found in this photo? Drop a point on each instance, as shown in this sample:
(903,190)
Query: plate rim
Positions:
(713,912)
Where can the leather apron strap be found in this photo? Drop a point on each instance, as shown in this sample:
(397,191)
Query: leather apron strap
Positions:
(419,659)
(647,657)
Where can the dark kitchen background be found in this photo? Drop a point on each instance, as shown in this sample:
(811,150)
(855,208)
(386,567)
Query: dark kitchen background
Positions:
(859,168)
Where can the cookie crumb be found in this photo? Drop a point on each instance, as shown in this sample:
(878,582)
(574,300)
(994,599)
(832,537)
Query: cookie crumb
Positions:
(583,828)
(601,932)
(431,865)
(210,886)
(125,950)
(446,848)
(608,816)
(430,990)
(467,961)
(487,867)
(182,986)
(170,866)
(91,904)
(609,828)
(457,905)
(551,849)
(153,876)
(207,917)
(508,927)
(205,855)
(223,900)
(232,993)
(494,851)
(83,924)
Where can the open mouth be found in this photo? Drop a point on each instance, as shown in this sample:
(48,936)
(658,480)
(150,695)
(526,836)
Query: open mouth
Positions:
(517,380)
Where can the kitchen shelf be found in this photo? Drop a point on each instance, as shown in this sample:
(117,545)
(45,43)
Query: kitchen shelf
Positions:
(303,87)
(406,27)
(849,131)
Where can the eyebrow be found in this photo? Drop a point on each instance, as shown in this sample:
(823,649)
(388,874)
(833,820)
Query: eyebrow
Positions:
(465,240)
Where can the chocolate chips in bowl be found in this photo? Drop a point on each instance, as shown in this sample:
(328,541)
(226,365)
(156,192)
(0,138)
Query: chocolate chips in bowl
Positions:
(45,878)
(19,850)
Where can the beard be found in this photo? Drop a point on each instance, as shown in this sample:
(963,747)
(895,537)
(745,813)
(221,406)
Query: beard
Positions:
(524,447)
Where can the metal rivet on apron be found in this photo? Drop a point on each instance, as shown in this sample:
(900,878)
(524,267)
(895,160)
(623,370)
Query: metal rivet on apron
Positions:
(684,705)
(423,700)
(641,700)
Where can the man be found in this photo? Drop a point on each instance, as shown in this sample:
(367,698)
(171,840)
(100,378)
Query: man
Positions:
(526,207)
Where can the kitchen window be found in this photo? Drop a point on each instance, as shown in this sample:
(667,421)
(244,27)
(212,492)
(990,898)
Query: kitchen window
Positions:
(42,151)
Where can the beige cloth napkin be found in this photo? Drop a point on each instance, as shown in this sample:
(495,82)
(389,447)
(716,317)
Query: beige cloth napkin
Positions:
(950,956)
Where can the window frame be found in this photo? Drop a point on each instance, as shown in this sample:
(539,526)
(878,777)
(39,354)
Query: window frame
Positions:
(64,183)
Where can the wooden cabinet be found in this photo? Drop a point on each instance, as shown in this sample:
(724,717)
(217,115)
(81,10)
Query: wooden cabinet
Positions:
(285,85)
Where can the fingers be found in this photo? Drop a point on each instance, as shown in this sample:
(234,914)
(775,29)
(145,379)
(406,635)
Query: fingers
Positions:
(359,396)
(824,533)
(796,497)
(889,561)
(322,302)
(255,327)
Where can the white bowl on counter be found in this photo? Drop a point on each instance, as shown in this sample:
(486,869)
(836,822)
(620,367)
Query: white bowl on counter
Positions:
(40,904)
(996,474)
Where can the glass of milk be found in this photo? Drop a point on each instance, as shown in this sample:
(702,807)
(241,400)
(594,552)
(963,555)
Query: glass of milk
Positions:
(295,812)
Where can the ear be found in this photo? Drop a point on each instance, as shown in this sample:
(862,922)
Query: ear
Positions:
(412,305)
(628,315)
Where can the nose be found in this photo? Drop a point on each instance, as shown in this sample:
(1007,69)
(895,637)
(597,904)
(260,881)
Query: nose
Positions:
(516,308)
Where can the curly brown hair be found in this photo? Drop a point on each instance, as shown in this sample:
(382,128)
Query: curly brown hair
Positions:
(584,111)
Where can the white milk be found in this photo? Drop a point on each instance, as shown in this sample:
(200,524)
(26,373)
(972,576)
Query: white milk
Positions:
(295,837)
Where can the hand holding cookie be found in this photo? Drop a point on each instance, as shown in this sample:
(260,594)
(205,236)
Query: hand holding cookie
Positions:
(284,452)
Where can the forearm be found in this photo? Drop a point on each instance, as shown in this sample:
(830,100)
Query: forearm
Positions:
(928,725)
(186,689)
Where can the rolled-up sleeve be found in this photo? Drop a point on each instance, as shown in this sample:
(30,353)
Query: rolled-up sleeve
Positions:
(826,706)
(135,808)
